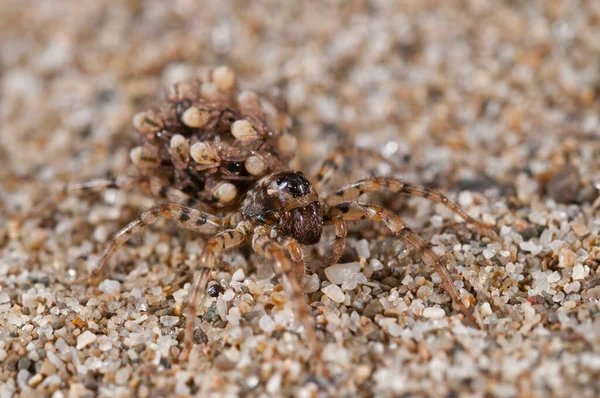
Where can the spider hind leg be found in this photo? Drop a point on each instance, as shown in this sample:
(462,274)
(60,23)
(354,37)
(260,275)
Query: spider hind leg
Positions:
(189,218)
(224,240)
(356,211)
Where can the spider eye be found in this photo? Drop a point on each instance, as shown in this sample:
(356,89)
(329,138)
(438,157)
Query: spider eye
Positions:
(280,180)
(234,167)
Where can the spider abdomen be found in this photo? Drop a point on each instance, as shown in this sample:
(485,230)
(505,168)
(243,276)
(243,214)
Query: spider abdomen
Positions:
(207,137)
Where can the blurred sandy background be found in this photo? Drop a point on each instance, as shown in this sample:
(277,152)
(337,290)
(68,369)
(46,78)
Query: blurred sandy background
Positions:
(495,102)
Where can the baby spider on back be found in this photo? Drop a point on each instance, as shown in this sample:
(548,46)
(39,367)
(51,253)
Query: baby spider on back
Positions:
(205,149)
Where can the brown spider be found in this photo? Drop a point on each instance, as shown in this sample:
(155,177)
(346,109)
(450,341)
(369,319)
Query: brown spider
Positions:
(278,213)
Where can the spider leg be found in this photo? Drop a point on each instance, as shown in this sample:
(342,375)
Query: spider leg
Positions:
(224,240)
(341,230)
(333,162)
(297,255)
(159,189)
(189,218)
(357,211)
(396,185)
(97,185)
(264,245)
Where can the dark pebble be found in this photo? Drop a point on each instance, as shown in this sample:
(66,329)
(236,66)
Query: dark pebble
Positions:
(565,185)
(24,363)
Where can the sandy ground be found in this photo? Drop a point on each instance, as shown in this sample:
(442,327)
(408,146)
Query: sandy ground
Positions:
(496,103)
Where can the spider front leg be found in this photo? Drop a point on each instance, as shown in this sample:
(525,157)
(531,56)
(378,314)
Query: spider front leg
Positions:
(334,161)
(351,211)
(396,185)
(97,185)
(341,230)
(227,239)
(297,255)
(189,218)
(264,245)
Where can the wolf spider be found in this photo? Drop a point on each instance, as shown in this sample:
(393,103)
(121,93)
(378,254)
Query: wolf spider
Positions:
(279,212)
(278,215)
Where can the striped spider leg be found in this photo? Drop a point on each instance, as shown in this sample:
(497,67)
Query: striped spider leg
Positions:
(394,185)
(340,213)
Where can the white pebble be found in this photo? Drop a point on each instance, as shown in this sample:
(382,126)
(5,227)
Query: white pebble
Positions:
(362,248)
(238,275)
(110,286)
(434,312)
(486,310)
(489,253)
(554,277)
(340,273)
(566,257)
(267,324)
(376,265)
(572,287)
(274,384)
(179,295)
(310,283)
(578,272)
(465,199)
(531,247)
(334,293)
(228,295)
(234,316)
(546,237)
(86,338)
(391,326)
(169,321)
(222,307)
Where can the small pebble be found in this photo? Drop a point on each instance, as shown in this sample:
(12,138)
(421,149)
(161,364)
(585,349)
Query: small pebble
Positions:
(110,286)
(340,273)
(169,321)
(334,293)
(531,247)
(486,310)
(578,272)
(362,248)
(566,258)
(86,338)
(580,230)
(434,312)
(267,324)
(238,275)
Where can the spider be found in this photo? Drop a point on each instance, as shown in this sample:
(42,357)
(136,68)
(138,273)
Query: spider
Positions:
(278,214)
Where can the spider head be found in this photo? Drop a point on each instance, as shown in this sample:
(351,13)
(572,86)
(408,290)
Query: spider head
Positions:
(282,191)
(288,201)
(278,193)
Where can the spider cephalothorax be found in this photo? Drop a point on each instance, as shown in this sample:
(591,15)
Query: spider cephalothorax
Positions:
(288,202)
(191,141)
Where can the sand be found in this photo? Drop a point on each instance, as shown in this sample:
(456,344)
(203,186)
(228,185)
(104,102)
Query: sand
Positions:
(495,103)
